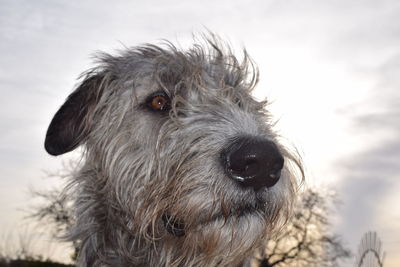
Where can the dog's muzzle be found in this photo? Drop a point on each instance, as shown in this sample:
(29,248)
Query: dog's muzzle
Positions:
(253,162)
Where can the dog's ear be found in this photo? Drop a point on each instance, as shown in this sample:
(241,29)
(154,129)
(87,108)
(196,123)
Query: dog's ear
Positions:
(73,121)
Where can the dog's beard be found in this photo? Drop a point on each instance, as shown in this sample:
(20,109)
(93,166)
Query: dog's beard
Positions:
(243,216)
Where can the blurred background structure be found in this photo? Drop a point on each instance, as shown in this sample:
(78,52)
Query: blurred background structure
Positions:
(331,69)
(370,251)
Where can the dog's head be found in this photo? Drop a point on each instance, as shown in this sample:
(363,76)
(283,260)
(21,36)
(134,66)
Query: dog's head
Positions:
(179,151)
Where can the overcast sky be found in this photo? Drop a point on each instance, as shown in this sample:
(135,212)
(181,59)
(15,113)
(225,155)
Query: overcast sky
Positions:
(332,69)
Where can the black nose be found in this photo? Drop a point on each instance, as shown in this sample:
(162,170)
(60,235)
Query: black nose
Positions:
(253,162)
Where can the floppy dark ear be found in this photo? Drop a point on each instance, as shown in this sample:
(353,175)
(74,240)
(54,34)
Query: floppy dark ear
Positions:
(73,121)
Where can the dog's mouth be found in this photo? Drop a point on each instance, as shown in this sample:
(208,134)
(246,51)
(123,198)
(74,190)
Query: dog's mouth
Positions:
(176,226)
(173,226)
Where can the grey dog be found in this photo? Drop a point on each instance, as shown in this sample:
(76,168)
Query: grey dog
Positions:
(181,166)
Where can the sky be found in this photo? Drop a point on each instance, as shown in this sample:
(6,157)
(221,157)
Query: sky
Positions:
(331,69)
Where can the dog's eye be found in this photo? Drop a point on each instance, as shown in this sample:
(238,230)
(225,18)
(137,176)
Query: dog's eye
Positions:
(159,102)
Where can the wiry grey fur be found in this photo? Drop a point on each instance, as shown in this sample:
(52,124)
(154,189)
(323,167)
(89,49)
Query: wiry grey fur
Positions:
(140,164)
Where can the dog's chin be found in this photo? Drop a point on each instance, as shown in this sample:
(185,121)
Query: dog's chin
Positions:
(239,218)
(235,237)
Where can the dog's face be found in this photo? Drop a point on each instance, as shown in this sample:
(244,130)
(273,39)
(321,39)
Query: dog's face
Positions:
(184,157)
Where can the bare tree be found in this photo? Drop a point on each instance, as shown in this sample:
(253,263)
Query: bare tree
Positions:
(22,247)
(17,245)
(306,240)
(55,211)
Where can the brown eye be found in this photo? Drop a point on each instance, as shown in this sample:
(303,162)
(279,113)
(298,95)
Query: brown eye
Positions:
(159,102)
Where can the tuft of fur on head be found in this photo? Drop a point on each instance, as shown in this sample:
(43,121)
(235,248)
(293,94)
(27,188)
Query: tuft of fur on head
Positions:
(144,172)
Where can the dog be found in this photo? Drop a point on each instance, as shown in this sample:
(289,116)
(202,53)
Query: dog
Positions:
(181,165)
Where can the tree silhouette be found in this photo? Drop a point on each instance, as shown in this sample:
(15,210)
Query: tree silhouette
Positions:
(305,240)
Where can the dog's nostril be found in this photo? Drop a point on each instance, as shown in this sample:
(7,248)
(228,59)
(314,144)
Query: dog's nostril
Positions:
(278,166)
